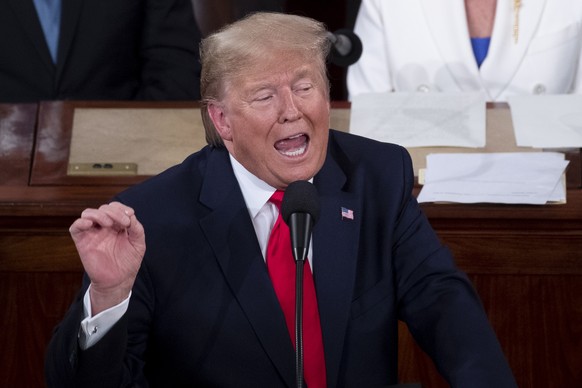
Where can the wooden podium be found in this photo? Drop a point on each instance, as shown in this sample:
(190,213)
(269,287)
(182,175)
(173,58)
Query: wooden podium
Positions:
(525,261)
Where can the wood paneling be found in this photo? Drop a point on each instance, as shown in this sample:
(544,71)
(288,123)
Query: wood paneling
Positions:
(32,304)
(17,126)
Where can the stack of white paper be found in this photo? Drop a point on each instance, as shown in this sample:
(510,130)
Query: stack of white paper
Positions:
(420,119)
(512,178)
(550,121)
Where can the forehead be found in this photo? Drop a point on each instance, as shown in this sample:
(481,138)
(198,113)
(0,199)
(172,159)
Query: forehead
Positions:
(277,70)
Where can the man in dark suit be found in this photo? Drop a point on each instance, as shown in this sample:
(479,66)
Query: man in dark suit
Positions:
(200,308)
(106,50)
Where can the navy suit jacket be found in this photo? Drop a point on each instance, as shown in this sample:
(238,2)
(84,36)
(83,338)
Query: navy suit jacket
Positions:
(203,311)
(108,50)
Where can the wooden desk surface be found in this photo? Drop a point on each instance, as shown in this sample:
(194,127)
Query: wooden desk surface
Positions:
(525,261)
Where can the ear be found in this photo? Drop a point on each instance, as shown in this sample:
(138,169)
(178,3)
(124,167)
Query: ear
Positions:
(220,120)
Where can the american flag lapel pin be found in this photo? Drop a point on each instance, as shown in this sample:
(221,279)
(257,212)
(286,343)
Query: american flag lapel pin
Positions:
(347,214)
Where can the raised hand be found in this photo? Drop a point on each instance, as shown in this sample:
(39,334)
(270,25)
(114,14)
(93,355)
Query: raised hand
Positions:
(111,243)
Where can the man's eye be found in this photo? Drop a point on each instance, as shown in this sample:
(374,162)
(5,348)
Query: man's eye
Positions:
(264,98)
(304,88)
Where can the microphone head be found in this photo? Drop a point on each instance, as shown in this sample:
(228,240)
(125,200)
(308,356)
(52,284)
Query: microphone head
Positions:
(354,48)
(300,197)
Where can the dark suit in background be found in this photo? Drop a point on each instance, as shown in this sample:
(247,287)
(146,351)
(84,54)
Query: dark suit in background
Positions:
(108,50)
(204,313)
(212,15)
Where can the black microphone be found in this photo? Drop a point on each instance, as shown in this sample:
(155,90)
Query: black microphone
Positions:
(300,211)
(346,47)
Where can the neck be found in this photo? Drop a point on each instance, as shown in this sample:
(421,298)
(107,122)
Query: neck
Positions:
(480,17)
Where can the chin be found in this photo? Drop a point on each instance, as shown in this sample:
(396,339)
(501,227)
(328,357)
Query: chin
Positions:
(303,175)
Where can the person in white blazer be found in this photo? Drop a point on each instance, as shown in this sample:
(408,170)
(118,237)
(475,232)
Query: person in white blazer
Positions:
(425,45)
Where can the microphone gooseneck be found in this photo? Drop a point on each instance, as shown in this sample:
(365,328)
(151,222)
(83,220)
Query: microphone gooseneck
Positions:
(300,211)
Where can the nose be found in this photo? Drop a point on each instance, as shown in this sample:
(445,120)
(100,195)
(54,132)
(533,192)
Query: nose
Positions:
(289,111)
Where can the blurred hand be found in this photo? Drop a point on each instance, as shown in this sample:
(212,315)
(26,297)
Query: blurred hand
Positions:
(111,243)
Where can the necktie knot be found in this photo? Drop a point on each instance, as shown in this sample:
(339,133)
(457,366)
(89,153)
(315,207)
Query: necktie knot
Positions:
(277,198)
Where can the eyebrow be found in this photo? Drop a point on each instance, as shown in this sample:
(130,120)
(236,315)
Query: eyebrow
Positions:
(304,72)
(301,73)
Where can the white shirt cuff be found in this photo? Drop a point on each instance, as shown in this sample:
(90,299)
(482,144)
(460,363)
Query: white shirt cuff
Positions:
(94,328)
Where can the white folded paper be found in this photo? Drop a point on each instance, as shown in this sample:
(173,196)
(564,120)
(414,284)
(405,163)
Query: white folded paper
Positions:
(421,119)
(512,178)
(550,121)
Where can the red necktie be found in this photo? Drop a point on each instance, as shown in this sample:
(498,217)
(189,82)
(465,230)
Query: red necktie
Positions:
(281,265)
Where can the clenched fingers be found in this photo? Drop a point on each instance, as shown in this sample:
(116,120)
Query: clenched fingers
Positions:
(114,215)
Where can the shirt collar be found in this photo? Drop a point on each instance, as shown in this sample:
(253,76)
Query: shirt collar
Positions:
(255,191)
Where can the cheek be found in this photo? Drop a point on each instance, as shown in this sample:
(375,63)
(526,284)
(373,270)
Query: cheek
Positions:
(250,144)
(321,125)
(254,130)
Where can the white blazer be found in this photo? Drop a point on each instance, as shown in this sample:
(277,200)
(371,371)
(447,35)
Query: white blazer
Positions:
(424,45)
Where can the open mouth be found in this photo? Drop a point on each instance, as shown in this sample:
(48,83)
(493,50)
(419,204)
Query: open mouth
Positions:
(293,146)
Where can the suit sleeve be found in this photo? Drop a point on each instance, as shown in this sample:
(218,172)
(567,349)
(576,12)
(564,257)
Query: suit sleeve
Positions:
(116,360)
(66,365)
(169,51)
(440,305)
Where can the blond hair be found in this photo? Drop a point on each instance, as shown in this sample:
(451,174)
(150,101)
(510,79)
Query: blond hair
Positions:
(226,54)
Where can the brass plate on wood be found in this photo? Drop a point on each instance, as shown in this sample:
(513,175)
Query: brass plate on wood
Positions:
(102,169)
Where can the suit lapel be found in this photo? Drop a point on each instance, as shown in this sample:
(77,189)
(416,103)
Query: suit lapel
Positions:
(71,10)
(230,232)
(26,13)
(335,242)
(505,56)
(447,23)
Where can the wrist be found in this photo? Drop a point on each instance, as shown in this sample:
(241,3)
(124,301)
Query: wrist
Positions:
(105,298)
